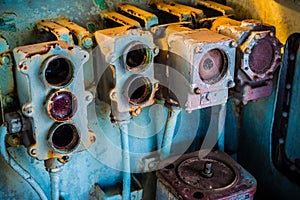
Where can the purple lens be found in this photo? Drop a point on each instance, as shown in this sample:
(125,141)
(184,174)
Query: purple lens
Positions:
(63,106)
(212,66)
(261,57)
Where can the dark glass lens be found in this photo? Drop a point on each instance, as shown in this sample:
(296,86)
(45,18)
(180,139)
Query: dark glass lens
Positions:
(63,105)
(58,72)
(65,137)
(212,66)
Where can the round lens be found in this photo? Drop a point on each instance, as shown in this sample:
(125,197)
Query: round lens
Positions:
(136,57)
(62,106)
(139,91)
(261,57)
(65,137)
(59,71)
(212,66)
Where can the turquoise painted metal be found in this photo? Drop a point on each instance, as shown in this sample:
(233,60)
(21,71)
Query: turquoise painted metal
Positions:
(136,143)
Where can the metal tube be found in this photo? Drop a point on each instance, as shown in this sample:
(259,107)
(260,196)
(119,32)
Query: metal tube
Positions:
(169,132)
(221,127)
(19,169)
(123,126)
(54,181)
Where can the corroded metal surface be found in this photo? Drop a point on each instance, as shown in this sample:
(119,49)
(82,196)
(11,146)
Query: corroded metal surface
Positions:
(39,62)
(120,19)
(199,77)
(116,46)
(148,18)
(184,178)
(183,12)
(133,79)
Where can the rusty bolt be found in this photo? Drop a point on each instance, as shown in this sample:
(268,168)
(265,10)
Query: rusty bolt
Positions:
(247,51)
(137,112)
(13,139)
(198,49)
(64,159)
(257,36)
(207,171)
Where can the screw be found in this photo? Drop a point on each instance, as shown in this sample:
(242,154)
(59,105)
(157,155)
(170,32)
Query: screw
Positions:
(292,57)
(207,171)
(197,91)
(233,44)
(89,98)
(288,86)
(66,158)
(247,51)
(198,49)
(230,84)
(284,114)
(134,32)
(92,139)
(33,151)
(113,95)
(152,165)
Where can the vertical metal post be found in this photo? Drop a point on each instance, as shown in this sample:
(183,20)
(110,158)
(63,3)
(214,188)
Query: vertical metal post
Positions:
(123,126)
(169,132)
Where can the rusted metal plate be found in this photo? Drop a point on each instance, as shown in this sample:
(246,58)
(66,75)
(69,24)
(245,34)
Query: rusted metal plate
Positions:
(120,19)
(187,178)
(148,18)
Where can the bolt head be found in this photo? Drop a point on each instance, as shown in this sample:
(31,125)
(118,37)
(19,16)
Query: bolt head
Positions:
(5,60)
(247,51)
(233,44)
(87,43)
(33,152)
(198,49)
(230,84)
(197,91)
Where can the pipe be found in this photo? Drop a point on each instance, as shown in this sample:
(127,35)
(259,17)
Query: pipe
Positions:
(221,127)
(18,168)
(166,145)
(123,126)
(54,167)
(54,181)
